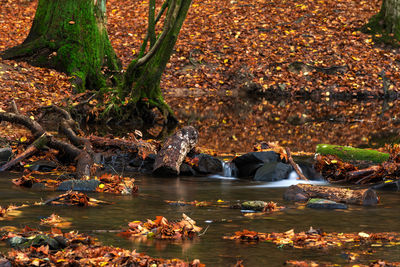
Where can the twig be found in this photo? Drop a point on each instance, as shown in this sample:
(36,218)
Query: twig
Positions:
(205,230)
(294,165)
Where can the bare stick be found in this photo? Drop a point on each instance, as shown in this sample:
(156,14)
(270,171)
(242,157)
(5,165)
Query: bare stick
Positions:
(294,165)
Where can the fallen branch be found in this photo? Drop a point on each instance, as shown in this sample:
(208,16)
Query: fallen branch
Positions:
(32,149)
(294,165)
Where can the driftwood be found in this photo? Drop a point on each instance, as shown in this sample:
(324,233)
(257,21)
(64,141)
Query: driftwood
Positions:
(303,192)
(174,151)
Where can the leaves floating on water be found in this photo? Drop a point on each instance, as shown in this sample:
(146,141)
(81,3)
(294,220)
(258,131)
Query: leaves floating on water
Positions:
(73,198)
(55,221)
(117,184)
(317,239)
(55,248)
(161,228)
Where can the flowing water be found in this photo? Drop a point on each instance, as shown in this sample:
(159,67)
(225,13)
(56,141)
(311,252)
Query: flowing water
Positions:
(210,248)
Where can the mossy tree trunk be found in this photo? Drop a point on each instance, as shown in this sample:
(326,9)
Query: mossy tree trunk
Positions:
(387,21)
(142,78)
(70,36)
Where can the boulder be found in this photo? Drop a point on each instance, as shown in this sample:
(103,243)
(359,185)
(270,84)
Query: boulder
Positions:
(248,164)
(79,185)
(208,164)
(319,203)
(5,154)
(273,171)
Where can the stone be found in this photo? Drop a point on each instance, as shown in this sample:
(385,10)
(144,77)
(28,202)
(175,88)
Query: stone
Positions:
(41,166)
(5,154)
(79,185)
(248,164)
(388,185)
(208,164)
(186,170)
(319,203)
(256,205)
(273,171)
(16,241)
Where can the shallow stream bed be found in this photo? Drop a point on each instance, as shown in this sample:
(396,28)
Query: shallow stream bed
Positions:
(210,248)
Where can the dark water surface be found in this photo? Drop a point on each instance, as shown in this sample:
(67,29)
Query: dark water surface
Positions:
(210,248)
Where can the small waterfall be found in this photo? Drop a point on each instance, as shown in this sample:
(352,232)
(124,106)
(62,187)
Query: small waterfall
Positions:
(227,169)
(228,172)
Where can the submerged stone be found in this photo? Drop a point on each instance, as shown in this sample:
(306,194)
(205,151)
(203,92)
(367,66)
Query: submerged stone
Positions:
(256,205)
(79,185)
(319,203)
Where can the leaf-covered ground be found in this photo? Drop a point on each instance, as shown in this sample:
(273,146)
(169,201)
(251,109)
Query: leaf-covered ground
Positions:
(225,45)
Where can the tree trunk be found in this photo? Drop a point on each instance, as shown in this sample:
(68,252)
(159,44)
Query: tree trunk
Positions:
(174,151)
(387,21)
(70,36)
(142,81)
(303,192)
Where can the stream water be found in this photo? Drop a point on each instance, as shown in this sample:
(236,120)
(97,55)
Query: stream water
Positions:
(210,248)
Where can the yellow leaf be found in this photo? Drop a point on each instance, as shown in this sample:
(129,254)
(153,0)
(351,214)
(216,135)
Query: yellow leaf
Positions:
(23,139)
(101,186)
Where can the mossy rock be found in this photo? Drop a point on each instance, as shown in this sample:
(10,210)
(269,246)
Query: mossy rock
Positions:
(348,153)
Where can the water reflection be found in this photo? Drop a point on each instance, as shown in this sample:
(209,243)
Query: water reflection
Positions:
(232,124)
(210,248)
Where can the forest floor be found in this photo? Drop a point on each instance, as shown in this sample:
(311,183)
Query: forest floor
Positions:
(225,45)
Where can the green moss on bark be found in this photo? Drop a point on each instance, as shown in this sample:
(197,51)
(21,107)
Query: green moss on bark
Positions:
(72,37)
(384,28)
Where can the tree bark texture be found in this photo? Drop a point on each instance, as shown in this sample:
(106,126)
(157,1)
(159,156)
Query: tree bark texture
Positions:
(70,36)
(142,79)
(174,151)
(387,21)
(303,192)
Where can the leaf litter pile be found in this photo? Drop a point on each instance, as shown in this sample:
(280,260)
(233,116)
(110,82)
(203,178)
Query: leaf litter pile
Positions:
(55,248)
(161,228)
(109,183)
(318,239)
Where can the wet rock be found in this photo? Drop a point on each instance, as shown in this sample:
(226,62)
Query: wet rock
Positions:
(256,205)
(79,185)
(5,154)
(41,165)
(62,241)
(143,165)
(273,171)
(319,203)
(389,185)
(42,240)
(16,241)
(186,170)
(248,164)
(208,164)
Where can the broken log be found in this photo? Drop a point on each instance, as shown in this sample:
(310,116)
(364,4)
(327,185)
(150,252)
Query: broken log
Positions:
(174,151)
(303,192)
